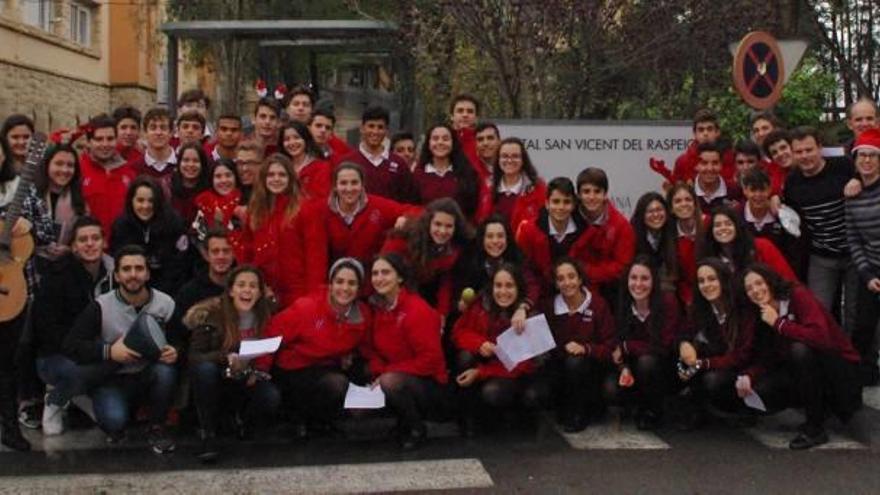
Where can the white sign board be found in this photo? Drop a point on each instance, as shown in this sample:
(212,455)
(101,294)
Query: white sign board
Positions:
(622,149)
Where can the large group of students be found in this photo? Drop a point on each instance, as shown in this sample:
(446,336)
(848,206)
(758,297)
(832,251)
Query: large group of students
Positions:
(397,262)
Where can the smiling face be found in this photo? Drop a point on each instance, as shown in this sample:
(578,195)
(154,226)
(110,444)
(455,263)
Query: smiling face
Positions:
(868,165)
(683,205)
(592,198)
(568,281)
(190,131)
(223,180)
(760,129)
(862,116)
(807,155)
(406,148)
(495,240)
(61,169)
(245,291)
(220,256)
(757,289)
(510,159)
(639,282)
(277,179)
(708,283)
(102,144)
(723,229)
(128,132)
(88,243)
(132,274)
(18,139)
(440,142)
(655,215)
(442,228)
(780,152)
(385,279)
(373,133)
(143,203)
(190,165)
(349,187)
(294,144)
(709,167)
(266,123)
(487,144)
(745,162)
(758,198)
(504,290)
(344,287)
(247,163)
(560,206)
(158,133)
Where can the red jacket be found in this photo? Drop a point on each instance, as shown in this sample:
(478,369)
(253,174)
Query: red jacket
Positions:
(435,281)
(315,179)
(476,326)
(104,191)
(522,208)
(313,334)
(808,322)
(606,249)
(326,237)
(766,252)
(686,248)
(219,212)
(273,248)
(593,328)
(336,149)
(685,169)
(638,341)
(405,338)
(467,138)
(131,154)
(777,176)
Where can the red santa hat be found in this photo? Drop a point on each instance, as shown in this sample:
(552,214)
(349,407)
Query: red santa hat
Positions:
(869,140)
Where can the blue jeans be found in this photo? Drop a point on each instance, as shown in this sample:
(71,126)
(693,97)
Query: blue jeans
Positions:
(69,379)
(210,386)
(112,400)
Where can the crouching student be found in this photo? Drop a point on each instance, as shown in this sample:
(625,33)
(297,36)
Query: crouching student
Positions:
(98,336)
(583,327)
(220,377)
(647,325)
(719,347)
(481,375)
(806,358)
(319,333)
(403,351)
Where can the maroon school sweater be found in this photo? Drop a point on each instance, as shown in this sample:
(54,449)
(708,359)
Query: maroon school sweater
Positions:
(390,179)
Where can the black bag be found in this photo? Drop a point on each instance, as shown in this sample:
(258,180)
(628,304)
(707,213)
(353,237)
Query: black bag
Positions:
(146,337)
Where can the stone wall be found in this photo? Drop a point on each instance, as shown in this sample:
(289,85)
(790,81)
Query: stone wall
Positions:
(141,98)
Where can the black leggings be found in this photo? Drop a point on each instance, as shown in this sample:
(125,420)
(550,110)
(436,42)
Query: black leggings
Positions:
(651,373)
(412,397)
(10,334)
(577,382)
(716,387)
(314,393)
(530,391)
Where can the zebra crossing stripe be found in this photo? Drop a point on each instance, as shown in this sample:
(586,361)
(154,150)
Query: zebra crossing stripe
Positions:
(342,478)
(778,430)
(612,435)
(871,397)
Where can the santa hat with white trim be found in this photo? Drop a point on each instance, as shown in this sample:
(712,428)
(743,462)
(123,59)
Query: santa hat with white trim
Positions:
(869,140)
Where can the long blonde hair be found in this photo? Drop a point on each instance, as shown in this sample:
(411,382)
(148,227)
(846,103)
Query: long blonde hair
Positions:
(263,202)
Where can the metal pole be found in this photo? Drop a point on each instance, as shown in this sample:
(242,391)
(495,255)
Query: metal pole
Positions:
(171,67)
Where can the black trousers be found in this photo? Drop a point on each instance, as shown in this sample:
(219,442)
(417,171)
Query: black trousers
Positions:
(652,373)
(10,334)
(314,393)
(414,398)
(864,336)
(576,382)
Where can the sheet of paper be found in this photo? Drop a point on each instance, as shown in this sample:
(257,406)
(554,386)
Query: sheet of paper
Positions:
(250,349)
(513,348)
(754,401)
(358,397)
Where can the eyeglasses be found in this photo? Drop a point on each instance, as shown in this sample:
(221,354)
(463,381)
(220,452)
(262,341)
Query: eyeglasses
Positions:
(867,154)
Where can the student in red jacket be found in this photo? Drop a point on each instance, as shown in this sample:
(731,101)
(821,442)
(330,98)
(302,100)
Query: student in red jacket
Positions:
(517,192)
(216,206)
(706,130)
(190,178)
(481,375)
(464,111)
(443,171)
(806,356)
(648,322)
(777,146)
(690,226)
(295,141)
(720,344)
(403,350)
(654,229)
(711,186)
(729,240)
(319,334)
(349,223)
(551,235)
(269,238)
(608,243)
(321,128)
(431,244)
(583,328)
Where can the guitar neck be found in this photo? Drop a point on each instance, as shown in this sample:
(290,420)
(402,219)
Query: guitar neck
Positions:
(25,181)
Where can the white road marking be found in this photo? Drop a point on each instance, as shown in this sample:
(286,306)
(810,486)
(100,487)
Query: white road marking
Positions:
(612,434)
(778,430)
(342,478)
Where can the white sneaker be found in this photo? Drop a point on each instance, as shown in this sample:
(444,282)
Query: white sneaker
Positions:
(53,419)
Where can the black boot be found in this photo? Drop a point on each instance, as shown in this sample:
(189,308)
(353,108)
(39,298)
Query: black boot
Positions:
(207,452)
(11,435)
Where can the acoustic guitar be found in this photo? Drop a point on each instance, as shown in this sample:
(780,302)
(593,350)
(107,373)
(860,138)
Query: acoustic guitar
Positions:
(15,250)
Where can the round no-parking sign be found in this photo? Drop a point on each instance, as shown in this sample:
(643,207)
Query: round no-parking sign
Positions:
(758,70)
